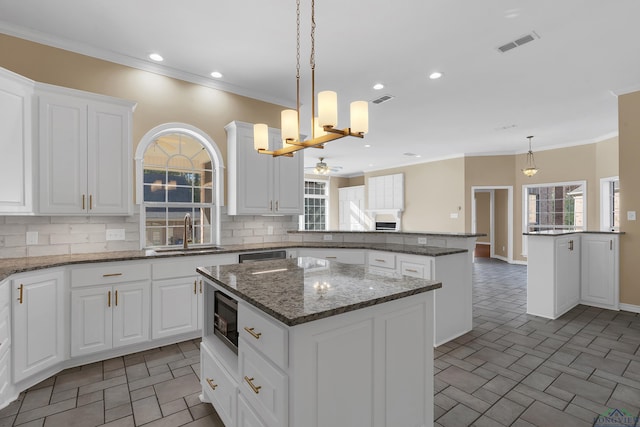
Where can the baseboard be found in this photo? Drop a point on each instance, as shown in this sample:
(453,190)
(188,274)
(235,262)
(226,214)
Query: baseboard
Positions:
(630,307)
(516,261)
(500,257)
(505,259)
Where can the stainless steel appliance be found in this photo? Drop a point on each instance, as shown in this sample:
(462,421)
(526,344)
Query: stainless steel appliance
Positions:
(225,322)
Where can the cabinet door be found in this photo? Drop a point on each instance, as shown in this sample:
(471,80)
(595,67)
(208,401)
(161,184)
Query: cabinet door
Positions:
(250,174)
(174,306)
(91,320)
(15,143)
(599,272)
(63,154)
(38,322)
(567,275)
(246,416)
(288,180)
(131,313)
(109,168)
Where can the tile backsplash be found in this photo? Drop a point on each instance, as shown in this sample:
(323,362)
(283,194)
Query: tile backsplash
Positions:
(62,235)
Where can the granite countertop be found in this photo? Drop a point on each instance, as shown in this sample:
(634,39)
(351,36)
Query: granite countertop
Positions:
(9,266)
(404,233)
(564,232)
(303,289)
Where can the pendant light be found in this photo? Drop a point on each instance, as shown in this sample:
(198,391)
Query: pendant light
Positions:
(324,126)
(531,168)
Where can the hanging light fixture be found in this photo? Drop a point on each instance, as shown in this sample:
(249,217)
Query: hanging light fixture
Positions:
(324,125)
(531,168)
(321,167)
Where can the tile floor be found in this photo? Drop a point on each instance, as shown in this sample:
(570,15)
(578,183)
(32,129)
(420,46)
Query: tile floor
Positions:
(512,369)
(519,370)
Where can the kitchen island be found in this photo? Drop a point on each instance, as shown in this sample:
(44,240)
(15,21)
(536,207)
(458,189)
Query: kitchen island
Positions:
(320,343)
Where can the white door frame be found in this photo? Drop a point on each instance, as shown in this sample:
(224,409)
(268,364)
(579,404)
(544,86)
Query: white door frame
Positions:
(491,188)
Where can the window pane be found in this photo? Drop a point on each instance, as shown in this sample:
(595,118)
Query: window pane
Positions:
(555,207)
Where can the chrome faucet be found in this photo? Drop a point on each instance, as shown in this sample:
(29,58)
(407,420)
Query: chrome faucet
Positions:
(188,229)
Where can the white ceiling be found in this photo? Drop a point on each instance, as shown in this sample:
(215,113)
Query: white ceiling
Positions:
(560,88)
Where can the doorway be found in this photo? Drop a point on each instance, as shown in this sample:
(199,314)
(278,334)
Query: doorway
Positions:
(492,214)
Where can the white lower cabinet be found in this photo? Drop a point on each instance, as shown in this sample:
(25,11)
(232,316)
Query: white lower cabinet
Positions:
(356,369)
(105,317)
(5,341)
(175,306)
(599,271)
(110,306)
(346,256)
(38,335)
(219,387)
(246,416)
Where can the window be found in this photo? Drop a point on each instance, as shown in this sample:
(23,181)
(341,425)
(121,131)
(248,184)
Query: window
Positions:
(177,175)
(555,207)
(316,206)
(610,204)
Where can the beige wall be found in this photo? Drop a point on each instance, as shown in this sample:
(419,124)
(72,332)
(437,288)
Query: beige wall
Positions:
(160,99)
(483,215)
(501,223)
(432,191)
(629,127)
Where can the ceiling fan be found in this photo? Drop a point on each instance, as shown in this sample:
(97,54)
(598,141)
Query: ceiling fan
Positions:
(321,168)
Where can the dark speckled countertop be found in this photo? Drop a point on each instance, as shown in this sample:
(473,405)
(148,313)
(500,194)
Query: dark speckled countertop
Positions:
(9,266)
(299,290)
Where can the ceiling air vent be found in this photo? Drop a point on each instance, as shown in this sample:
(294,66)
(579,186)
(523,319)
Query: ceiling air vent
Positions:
(519,42)
(383,98)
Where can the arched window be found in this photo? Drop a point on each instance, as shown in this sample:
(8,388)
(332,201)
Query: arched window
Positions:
(178,169)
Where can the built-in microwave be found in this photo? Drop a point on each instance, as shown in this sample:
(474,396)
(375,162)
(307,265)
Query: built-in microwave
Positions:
(225,322)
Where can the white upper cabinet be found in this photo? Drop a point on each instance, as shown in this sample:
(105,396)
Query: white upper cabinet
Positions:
(386,192)
(16,93)
(85,153)
(260,184)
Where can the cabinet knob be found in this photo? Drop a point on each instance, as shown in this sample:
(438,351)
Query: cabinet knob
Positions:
(255,388)
(212,384)
(252,332)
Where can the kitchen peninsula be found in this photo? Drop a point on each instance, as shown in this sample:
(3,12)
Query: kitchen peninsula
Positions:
(321,343)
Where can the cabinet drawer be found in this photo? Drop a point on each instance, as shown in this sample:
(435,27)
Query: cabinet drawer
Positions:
(264,334)
(108,273)
(173,268)
(412,269)
(218,386)
(382,259)
(264,386)
(246,416)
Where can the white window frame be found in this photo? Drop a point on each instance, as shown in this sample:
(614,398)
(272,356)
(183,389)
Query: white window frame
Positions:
(217,171)
(605,203)
(326,197)
(525,211)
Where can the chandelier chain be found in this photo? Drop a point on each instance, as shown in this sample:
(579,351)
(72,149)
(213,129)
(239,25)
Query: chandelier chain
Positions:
(313,35)
(298,60)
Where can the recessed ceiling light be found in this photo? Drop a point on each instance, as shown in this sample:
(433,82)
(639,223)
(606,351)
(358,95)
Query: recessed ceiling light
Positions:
(435,75)
(216,75)
(370,164)
(156,57)
(378,86)
(367,145)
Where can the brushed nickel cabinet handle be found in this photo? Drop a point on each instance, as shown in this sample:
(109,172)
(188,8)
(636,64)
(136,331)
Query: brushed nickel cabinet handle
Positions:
(255,388)
(610,245)
(200,286)
(570,245)
(83,204)
(331,257)
(379,260)
(109,299)
(211,384)
(195,286)
(251,332)
(90,201)
(411,270)
(21,289)
(116,298)
(277,204)
(271,205)
(112,275)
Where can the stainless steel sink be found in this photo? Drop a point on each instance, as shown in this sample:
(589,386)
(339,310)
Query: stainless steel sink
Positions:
(193,250)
